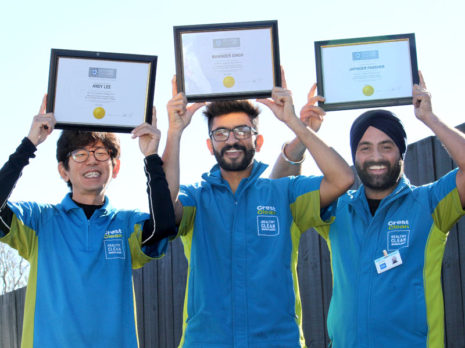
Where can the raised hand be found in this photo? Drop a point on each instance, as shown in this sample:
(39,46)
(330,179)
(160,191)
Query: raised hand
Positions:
(311,114)
(42,124)
(422,100)
(281,103)
(179,113)
(149,136)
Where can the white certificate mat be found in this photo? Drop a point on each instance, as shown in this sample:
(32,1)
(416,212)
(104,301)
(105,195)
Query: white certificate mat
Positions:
(227,61)
(101,92)
(368,73)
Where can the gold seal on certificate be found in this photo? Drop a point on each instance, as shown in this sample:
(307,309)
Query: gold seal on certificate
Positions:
(228,81)
(99,112)
(227,61)
(366,72)
(368,90)
(100,91)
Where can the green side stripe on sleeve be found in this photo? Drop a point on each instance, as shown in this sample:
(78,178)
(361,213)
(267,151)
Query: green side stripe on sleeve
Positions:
(21,238)
(434,253)
(138,257)
(27,339)
(448,211)
(323,231)
(306,211)
(186,231)
(445,215)
(295,237)
(187,222)
(306,214)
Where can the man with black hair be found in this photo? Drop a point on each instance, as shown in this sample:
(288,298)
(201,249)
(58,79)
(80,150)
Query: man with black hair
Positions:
(388,237)
(242,288)
(82,251)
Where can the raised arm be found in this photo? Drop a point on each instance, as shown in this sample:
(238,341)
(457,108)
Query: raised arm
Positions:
(149,136)
(41,127)
(42,124)
(338,176)
(292,154)
(161,223)
(451,138)
(179,115)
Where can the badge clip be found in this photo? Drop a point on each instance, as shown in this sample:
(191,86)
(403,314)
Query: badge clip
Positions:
(388,261)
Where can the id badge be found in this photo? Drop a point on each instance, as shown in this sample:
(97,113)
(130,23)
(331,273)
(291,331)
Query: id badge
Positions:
(388,261)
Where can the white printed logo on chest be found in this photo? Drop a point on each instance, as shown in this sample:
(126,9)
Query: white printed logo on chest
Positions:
(113,245)
(398,234)
(267,221)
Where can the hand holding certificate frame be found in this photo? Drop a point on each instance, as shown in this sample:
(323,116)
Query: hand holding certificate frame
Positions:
(227,61)
(366,72)
(100,91)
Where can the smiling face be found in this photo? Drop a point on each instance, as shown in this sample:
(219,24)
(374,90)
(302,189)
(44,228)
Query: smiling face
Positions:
(378,163)
(234,154)
(90,178)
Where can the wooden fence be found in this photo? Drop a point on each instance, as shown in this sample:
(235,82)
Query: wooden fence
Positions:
(160,285)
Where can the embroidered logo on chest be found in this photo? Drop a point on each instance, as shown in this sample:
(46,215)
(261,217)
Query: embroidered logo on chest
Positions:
(398,234)
(267,221)
(113,245)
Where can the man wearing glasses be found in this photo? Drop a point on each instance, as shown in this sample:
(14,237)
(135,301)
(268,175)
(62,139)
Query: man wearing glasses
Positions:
(82,251)
(242,288)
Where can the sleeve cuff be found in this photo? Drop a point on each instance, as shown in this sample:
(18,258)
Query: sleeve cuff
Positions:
(27,147)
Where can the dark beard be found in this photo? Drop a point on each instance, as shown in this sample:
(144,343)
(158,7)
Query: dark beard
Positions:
(380,182)
(235,166)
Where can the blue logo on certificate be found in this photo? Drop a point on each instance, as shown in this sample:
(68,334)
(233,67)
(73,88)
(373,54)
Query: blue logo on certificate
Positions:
(398,239)
(365,55)
(114,249)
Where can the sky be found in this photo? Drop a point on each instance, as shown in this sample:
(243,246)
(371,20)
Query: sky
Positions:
(30,29)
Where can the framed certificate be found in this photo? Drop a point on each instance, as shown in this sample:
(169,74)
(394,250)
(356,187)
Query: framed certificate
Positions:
(100,91)
(366,72)
(227,61)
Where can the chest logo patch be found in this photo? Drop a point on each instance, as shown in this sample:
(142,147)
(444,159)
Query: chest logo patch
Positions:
(114,249)
(113,245)
(267,221)
(398,234)
(398,239)
(268,225)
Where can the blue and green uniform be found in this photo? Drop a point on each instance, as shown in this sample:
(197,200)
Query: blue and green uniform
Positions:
(401,307)
(242,287)
(80,291)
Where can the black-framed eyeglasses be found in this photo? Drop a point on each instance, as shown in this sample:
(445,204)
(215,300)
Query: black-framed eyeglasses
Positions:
(240,133)
(101,154)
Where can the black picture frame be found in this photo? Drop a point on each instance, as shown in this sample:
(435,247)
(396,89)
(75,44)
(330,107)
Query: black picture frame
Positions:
(359,43)
(148,65)
(218,29)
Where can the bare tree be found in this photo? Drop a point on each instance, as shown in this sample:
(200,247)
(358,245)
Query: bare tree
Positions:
(14,270)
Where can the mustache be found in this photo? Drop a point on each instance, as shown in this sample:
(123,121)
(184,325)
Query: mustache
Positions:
(234,146)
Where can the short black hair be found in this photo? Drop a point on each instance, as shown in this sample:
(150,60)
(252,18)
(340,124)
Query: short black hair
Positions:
(219,108)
